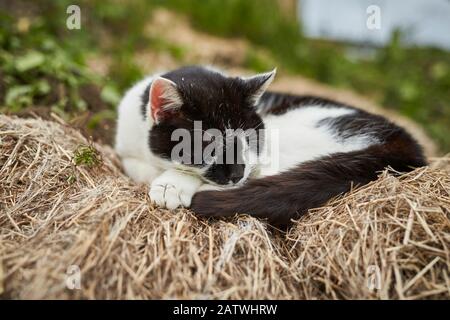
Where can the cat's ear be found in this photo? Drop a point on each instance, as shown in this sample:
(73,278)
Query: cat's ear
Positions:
(164,99)
(258,84)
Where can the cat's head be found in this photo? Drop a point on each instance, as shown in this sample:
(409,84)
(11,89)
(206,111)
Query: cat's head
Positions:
(206,122)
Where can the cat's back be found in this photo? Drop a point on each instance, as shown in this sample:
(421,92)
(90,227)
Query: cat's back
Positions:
(132,122)
(309,127)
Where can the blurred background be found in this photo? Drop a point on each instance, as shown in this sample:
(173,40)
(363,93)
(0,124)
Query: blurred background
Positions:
(394,53)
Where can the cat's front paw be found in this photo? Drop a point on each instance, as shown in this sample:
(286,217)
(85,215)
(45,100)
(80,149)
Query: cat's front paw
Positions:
(167,195)
(173,189)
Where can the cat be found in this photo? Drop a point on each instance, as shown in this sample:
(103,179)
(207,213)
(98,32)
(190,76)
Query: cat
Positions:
(324,148)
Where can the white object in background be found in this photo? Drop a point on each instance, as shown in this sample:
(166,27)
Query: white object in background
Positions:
(426,22)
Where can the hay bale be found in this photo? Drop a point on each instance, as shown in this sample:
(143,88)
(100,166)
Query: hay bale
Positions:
(389,239)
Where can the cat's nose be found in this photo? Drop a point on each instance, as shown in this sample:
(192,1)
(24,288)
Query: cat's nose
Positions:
(237,173)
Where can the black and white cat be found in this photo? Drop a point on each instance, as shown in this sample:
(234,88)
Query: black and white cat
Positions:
(323,149)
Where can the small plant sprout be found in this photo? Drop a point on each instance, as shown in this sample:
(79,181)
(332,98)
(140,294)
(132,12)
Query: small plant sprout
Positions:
(86,155)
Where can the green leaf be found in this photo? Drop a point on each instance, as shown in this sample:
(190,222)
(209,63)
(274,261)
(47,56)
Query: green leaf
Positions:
(110,95)
(18,95)
(29,61)
(43,87)
(80,105)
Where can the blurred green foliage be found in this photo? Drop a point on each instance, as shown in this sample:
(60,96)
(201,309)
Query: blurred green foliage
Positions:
(34,62)
(260,21)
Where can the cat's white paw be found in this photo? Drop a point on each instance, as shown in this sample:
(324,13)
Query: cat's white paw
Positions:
(173,189)
(169,196)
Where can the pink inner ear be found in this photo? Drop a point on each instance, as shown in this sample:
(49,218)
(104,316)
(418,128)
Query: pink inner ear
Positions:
(155,98)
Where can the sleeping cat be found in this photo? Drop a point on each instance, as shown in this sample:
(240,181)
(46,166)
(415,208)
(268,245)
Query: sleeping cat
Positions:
(323,149)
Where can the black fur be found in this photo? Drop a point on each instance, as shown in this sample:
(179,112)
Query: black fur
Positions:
(145,100)
(279,103)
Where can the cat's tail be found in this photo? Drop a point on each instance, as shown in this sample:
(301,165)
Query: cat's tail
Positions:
(288,195)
